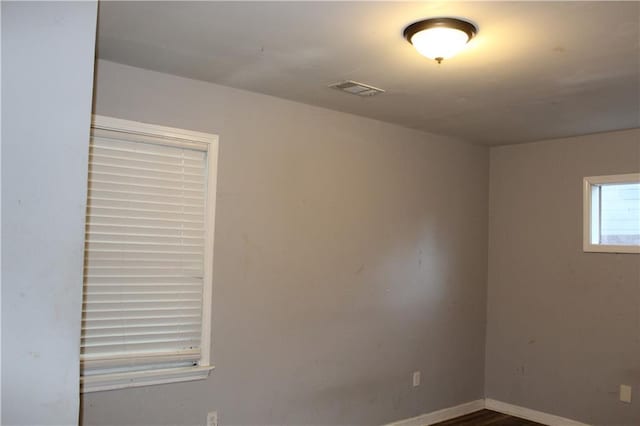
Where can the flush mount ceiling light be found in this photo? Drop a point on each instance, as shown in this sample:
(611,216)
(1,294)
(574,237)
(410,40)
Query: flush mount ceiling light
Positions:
(440,38)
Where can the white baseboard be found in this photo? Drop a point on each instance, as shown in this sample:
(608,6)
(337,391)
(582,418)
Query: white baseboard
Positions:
(529,414)
(490,404)
(441,415)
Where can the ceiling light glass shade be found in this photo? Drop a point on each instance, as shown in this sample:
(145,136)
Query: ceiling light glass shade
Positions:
(439,43)
(440,38)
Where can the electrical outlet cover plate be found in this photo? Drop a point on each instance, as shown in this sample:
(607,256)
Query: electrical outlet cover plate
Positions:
(416,378)
(625,393)
(212,418)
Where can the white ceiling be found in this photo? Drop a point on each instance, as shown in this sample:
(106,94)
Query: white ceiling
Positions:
(535,71)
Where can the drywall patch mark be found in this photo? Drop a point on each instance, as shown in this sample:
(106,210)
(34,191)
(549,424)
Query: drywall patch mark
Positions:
(360,269)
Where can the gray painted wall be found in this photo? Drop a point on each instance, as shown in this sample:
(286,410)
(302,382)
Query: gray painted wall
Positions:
(349,253)
(47,79)
(563,325)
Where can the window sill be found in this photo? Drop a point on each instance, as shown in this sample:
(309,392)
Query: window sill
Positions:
(602,248)
(105,382)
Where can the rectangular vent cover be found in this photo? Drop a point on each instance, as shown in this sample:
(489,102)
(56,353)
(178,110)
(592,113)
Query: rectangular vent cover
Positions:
(355,88)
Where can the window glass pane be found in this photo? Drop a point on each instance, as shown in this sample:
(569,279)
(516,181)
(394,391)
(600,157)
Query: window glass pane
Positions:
(620,214)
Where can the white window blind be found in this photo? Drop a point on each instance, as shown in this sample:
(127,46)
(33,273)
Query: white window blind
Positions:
(144,273)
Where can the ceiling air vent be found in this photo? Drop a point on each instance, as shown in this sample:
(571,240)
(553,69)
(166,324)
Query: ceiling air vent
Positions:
(355,88)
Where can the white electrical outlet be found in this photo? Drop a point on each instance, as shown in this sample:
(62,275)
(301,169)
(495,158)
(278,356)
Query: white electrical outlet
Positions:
(212,418)
(625,393)
(416,378)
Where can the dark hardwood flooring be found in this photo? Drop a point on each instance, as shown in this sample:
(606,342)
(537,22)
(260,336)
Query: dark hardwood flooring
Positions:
(487,418)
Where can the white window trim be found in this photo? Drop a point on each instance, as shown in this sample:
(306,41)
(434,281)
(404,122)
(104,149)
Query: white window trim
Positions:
(201,371)
(588,184)
(143,378)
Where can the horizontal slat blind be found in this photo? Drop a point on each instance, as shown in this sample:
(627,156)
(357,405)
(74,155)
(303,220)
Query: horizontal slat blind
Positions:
(144,251)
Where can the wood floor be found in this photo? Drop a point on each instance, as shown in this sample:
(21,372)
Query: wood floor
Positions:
(487,418)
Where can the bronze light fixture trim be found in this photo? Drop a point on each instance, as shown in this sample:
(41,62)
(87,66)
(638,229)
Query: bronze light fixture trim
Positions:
(440,38)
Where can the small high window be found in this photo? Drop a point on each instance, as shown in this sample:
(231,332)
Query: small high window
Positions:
(612,213)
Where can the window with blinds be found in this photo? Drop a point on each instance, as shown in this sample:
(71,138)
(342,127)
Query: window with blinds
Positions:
(148,255)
